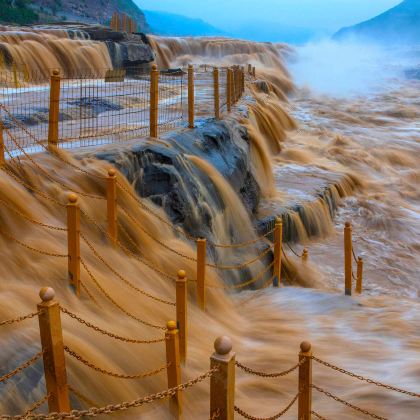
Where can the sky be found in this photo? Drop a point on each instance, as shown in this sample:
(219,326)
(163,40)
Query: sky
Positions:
(316,15)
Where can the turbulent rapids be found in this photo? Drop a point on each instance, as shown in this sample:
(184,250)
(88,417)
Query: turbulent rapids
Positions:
(316,159)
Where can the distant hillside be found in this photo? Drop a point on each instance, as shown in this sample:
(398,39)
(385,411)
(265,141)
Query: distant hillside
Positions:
(163,23)
(88,11)
(400,24)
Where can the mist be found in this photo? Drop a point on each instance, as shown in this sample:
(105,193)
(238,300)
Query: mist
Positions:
(347,68)
(274,20)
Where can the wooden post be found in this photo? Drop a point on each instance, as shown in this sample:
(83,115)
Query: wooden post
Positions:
(73,241)
(305,255)
(117,22)
(53,352)
(254,72)
(216,93)
(201,272)
(305,382)
(174,369)
(222,383)
(111,201)
(181,313)
(54,109)
(2,158)
(278,247)
(124,22)
(191,96)
(348,250)
(229,89)
(359,275)
(249,69)
(154,101)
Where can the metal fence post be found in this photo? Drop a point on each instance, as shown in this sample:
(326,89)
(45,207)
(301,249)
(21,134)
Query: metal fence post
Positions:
(216,93)
(305,382)
(73,241)
(359,276)
(53,352)
(305,255)
(254,72)
(348,249)
(191,111)
(54,109)
(124,22)
(2,159)
(181,313)
(278,247)
(201,273)
(222,383)
(174,369)
(249,68)
(229,89)
(111,204)
(154,101)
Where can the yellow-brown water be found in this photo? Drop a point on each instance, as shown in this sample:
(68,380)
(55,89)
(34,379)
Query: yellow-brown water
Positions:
(376,336)
(37,52)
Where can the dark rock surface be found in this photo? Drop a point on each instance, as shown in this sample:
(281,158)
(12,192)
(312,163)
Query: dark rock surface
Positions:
(162,172)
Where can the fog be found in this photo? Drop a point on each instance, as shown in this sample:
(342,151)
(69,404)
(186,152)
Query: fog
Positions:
(349,68)
(235,16)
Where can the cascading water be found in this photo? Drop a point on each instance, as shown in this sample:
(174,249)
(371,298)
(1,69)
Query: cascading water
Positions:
(38,51)
(266,327)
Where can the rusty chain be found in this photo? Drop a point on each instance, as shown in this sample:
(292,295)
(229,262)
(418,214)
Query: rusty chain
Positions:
(113,408)
(109,373)
(352,251)
(127,251)
(354,407)
(47,149)
(369,381)
(240,266)
(19,319)
(37,405)
(82,397)
(47,175)
(259,291)
(38,251)
(157,240)
(31,188)
(109,334)
(121,277)
(107,295)
(269,375)
(276,416)
(89,293)
(21,214)
(294,252)
(22,367)
(181,231)
(318,415)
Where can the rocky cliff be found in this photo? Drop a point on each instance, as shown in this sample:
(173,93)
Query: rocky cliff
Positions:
(87,11)
(400,24)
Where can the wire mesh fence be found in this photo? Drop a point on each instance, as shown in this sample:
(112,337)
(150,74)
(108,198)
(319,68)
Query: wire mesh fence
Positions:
(172,94)
(94,108)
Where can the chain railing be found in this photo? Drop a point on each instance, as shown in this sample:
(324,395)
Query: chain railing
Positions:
(92,366)
(276,416)
(110,334)
(22,367)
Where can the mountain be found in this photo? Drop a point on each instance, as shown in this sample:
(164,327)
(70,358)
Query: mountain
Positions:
(401,24)
(164,23)
(87,11)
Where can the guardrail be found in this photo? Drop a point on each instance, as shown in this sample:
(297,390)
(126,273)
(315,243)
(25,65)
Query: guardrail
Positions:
(82,108)
(221,373)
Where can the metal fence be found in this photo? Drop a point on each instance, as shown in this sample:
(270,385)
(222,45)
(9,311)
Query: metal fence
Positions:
(107,106)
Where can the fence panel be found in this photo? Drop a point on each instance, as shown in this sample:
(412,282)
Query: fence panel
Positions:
(104,110)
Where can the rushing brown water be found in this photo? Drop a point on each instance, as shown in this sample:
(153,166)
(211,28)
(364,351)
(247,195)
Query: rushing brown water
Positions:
(375,335)
(39,51)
